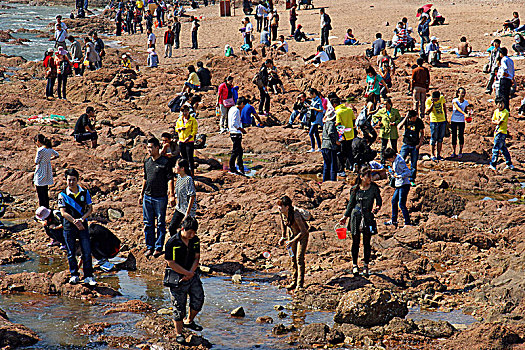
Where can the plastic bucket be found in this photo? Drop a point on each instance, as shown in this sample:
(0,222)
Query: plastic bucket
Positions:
(341,232)
(468,119)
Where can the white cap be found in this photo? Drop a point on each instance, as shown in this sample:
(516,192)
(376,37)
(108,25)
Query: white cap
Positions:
(42,213)
(433,38)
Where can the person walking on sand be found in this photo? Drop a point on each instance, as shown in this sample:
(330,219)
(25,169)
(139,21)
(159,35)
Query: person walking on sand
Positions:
(361,210)
(183,257)
(400,180)
(169,39)
(293,19)
(43,177)
(326,26)
(236,131)
(157,184)
(500,118)
(185,195)
(492,67)
(294,235)
(76,206)
(419,85)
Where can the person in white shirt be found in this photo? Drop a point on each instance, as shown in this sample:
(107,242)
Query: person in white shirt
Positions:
(281,45)
(236,131)
(505,77)
(60,36)
(318,58)
(43,176)
(248,29)
(261,14)
(151,39)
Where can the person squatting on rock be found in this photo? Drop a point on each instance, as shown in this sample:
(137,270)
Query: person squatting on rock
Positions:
(361,210)
(294,234)
(52,222)
(76,206)
(158,179)
(182,256)
(43,177)
(84,128)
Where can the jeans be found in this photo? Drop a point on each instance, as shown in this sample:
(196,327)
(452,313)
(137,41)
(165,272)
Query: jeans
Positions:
(50,86)
(70,236)
(194,44)
(293,116)
(499,145)
(384,144)
(329,165)
(168,50)
(177,40)
(400,47)
(119,29)
(420,95)
(504,91)
(223,123)
(154,208)
(264,102)
(400,197)
(43,196)
(345,156)
(413,152)
(325,32)
(314,135)
(490,83)
(437,132)
(236,153)
(457,130)
(424,40)
(186,151)
(62,82)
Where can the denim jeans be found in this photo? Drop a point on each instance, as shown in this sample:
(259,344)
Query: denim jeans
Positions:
(437,132)
(499,145)
(413,152)
(293,116)
(400,197)
(329,165)
(314,135)
(154,208)
(70,236)
(49,86)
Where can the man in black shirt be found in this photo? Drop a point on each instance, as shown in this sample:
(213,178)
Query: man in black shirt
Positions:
(158,175)
(204,75)
(412,140)
(183,255)
(84,129)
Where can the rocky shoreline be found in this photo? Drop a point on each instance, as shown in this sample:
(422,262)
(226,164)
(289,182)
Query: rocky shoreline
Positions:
(466,252)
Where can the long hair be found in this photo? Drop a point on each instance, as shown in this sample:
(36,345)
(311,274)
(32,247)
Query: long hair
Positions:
(359,179)
(286,201)
(184,164)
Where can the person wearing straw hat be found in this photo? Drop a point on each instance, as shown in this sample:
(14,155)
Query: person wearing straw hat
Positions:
(361,211)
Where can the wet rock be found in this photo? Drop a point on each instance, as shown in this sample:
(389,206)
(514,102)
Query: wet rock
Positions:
(14,335)
(399,326)
(369,307)
(119,342)
(482,336)
(434,329)
(5,36)
(238,312)
(282,314)
(92,328)
(159,326)
(281,329)
(11,252)
(320,333)
(264,319)
(278,307)
(130,306)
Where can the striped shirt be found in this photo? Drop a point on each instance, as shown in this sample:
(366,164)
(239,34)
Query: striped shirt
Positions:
(184,189)
(43,172)
(402,35)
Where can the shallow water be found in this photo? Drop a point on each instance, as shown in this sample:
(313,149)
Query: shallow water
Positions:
(455,317)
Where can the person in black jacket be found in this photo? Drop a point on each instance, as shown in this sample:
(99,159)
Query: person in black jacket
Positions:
(361,210)
(264,73)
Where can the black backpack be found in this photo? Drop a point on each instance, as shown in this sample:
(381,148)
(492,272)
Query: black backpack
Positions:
(200,141)
(176,104)
(104,244)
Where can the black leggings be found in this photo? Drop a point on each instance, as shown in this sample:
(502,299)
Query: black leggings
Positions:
(62,82)
(356,238)
(186,151)
(43,196)
(457,129)
(264,103)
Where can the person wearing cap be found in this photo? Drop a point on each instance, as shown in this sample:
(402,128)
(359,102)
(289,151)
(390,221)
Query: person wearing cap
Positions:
(436,109)
(153,58)
(432,52)
(299,35)
(330,140)
(76,206)
(60,36)
(51,72)
(492,65)
(52,222)
(194,30)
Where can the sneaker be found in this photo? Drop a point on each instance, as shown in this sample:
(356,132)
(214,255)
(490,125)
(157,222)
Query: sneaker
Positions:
(193,326)
(74,280)
(391,223)
(366,271)
(180,339)
(355,271)
(157,253)
(90,281)
(341,174)
(318,150)
(510,167)
(53,243)
(492,167)
(460,155)
(310,150)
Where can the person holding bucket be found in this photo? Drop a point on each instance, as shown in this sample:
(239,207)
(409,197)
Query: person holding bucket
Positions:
(361,210)
(296,238)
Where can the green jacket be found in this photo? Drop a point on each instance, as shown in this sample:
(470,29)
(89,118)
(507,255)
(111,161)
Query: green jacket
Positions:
(388,131)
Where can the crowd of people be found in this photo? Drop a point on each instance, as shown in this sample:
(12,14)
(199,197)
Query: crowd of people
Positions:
(344,135)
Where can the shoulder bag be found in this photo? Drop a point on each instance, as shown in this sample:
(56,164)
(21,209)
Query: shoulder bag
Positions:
(171,278)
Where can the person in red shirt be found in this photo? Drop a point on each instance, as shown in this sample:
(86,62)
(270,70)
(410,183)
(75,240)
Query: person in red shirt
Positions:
(51,72)
(419,86)
(224,102)
(169,39)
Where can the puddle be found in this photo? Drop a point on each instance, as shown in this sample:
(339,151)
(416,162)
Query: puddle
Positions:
(455,317)
(476,195)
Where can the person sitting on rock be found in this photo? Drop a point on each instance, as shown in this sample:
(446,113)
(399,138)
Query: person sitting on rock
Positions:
(320,57)
(193,82)
(513,23)
(84,129)
(281,45)
(299,35)
(294,234)
(249,114)
(204,75)
(182,256)
(361,210)
(300,109)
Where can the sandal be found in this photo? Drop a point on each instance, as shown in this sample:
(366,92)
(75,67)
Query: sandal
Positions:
(193,326)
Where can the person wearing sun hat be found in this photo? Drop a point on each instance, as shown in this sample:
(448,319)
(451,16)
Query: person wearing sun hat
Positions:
(52,222)
(432,51)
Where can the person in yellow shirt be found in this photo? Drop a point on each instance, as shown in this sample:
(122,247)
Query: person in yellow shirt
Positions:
(186,126)
(193,82)
(500,118)
(435,108)
(386,119)
(344,116)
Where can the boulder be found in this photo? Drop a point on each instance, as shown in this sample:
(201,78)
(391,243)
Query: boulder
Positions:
(281,329)
(320,333)
(483,336)
(264,319)
(11,252)
(367,307)
(14,335)
(435,329)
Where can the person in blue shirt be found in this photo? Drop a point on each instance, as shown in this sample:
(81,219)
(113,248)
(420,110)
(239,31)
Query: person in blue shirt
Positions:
(424,31)
(400,174)
(316,118)
(248,116)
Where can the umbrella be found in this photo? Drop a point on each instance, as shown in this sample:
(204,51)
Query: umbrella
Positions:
(425,8)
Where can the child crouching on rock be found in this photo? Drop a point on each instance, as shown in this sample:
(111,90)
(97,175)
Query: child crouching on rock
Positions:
(296,239)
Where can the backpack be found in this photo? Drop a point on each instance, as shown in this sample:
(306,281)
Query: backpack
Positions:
(176,104)
(306,215)
(362,118)
(65,67)
(330,52)
(200,141)
(228,51)
(104,244)
(257,80)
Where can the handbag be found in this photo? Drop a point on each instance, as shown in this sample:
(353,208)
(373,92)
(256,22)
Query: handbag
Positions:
(229,102)
(171,278)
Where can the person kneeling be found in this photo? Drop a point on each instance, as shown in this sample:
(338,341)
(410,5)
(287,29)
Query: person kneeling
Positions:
(183,256)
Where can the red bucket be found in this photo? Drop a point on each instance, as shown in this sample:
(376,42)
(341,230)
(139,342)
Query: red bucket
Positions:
(468,119)
(341,232)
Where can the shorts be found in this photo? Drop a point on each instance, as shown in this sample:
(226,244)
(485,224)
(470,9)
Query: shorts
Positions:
(192,86)
(85,136)
(193,289)
(437,132)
